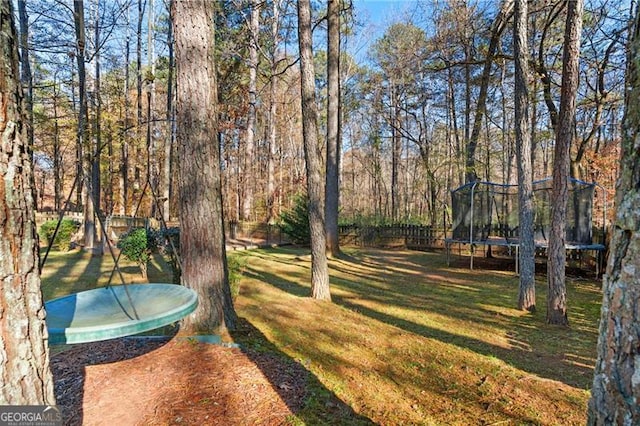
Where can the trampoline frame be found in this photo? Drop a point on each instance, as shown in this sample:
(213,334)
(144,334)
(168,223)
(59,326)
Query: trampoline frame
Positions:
(513,243)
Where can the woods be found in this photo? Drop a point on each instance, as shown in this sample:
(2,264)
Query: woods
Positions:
(429,101)
(206,112)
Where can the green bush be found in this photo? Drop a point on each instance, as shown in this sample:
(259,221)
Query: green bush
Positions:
(66,230)
(295,221)
(136,245)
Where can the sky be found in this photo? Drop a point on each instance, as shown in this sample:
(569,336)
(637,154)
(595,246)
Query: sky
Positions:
(375,16)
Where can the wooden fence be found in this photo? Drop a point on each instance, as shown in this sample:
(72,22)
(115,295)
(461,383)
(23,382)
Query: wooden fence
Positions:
(417,237)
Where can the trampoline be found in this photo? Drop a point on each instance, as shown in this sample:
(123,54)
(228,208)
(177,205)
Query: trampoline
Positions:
(116,311)
(486,213)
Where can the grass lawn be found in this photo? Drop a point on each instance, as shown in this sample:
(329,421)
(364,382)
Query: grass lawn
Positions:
(407,340)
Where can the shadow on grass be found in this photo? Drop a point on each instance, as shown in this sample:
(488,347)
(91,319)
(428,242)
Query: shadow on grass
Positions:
(63,281)
(460,296)
(302,392)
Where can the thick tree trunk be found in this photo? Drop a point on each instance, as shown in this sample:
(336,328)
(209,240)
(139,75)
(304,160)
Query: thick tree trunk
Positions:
(202,240)
(24,357)
(319,267)
(332,195)
(616,388)
(527,289)
(557,294)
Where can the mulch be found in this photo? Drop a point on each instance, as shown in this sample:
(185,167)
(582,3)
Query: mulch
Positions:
(144,381)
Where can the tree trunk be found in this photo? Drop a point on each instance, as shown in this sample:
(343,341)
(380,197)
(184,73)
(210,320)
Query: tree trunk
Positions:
(556,296)
(24,357)
(57,155)
(273,110)
(332,196)
(124,165)
(137,151)
(319,267)
(498,26)
(87,163)
(202,240)
(25,69)
(97,139)
(395,150)
(170,116)
(254,29)
(527,289)
(616,389)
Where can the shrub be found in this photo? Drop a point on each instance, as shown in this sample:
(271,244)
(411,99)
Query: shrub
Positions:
(295,221)
(136,246)
(66,230)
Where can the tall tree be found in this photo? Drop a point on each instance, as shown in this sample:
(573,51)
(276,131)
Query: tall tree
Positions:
(616,391)
(24,357)
(87,174)
(315,183)
(254,30)
(556,296)
(527,289)
(332,195)
(272,131)
(25,67)
(170,115)
(497,28)
(202,241)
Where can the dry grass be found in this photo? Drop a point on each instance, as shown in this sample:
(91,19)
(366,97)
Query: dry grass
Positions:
(411,341)
(407,340)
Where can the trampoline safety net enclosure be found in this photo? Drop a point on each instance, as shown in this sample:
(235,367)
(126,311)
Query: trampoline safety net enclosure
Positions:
(487,213)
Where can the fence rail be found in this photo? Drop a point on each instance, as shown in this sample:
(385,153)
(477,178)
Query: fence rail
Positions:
(409,236)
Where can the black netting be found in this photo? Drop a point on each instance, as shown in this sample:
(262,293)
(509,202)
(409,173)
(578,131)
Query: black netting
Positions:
(494,211)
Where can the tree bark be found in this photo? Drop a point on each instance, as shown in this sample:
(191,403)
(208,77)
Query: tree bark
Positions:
(481,108)
(271,196)
(26,77)
(87,163)
(332,196)
(616,388)
(24,357)
(170,116)
(556,296)
(254,30)
(319,267)
(527,288)
(202,240)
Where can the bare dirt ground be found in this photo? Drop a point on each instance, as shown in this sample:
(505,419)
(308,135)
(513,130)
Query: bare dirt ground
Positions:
(153,382)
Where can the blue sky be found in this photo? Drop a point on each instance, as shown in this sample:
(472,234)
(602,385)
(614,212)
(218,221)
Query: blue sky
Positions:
(376,16)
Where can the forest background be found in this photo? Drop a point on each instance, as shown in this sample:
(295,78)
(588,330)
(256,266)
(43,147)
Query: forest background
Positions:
(415,121)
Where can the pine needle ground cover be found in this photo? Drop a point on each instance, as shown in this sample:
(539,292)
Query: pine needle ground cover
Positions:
(408,340)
